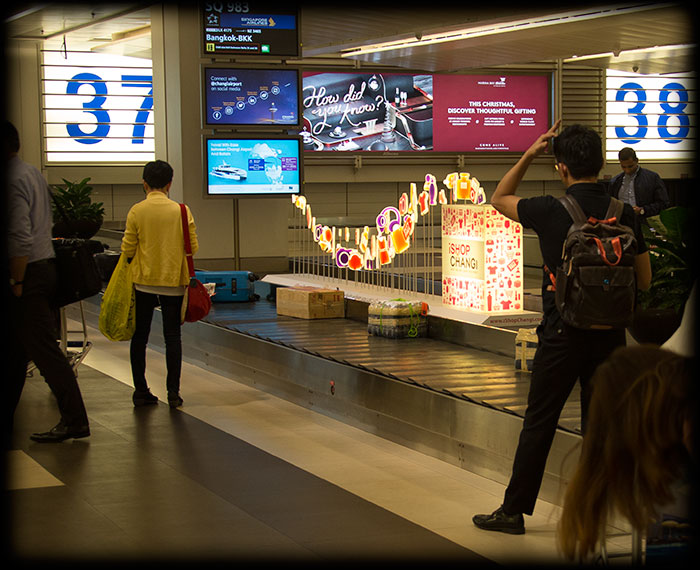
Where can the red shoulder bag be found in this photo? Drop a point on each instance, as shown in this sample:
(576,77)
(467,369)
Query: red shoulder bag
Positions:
(198,300)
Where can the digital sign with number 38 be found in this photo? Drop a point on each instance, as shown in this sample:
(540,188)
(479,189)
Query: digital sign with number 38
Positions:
(97,108)
(653,114)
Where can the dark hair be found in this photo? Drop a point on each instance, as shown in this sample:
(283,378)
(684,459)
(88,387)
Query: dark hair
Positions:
(157,174)
(627,153)
(634,449)
(580,149)
(10,138)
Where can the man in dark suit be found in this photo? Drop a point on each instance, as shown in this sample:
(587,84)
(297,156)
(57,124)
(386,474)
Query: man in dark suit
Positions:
(640,188)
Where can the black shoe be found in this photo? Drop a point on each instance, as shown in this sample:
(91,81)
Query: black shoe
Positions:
(60,433)
(174,401)
(498,520)
(144,398)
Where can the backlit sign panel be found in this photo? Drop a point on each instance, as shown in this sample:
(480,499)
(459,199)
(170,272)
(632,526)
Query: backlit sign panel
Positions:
(482,259)
(97,108)
(653,114)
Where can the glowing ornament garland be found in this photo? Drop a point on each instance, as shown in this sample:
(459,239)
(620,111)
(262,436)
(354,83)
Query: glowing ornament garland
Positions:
(394,226)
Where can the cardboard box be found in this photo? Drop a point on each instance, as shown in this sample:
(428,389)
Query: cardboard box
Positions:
(310,303)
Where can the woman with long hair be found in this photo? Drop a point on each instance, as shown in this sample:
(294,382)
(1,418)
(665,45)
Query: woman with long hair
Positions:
(637,445)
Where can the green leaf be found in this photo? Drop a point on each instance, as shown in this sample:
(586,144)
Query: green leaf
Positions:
(74,199)
(669,238)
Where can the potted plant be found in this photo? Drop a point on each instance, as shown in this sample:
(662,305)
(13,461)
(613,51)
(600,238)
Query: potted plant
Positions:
(660,308)
(74,213)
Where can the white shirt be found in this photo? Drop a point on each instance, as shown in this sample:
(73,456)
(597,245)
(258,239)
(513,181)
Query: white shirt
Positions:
(627,190)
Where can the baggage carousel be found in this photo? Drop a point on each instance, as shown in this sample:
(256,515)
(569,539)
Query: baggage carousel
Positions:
(455,394)
(459,367)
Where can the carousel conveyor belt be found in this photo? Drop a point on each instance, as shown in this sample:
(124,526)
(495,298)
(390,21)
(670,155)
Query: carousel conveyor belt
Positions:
(472,375)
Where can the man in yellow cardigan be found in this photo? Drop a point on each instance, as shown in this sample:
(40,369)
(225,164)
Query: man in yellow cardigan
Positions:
(153,242)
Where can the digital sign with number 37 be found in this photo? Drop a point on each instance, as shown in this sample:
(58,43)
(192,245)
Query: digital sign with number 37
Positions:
(653,114)
(97,108)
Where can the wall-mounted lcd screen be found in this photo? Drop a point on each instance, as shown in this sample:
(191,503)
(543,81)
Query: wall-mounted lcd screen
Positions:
(251,97)
(250,28)
(483,113)
(255,166)
(367,111)
(441,113)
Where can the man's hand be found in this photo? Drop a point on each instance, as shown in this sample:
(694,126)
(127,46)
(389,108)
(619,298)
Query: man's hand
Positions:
(540,145)
(504,198)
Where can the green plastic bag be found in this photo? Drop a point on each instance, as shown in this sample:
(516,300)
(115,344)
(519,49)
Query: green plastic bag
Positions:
(116,320)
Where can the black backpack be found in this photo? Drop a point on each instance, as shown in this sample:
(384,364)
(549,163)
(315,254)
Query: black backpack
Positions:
(596,285)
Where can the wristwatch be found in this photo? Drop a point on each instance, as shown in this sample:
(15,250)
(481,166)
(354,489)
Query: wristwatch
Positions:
(641,211)
(14,282)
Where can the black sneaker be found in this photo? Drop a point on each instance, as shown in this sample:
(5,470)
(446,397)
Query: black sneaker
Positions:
(144,398)
(498,520)
(60,433)
(174,400)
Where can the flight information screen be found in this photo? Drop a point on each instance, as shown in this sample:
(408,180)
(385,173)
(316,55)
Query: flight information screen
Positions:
(234,28)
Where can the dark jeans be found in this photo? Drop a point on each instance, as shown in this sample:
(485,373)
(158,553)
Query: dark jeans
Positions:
(32,336)
(170,306)
(564,355)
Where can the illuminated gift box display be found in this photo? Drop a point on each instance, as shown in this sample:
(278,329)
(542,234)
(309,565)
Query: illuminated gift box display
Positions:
(373,248)
(482,262)
(482,265)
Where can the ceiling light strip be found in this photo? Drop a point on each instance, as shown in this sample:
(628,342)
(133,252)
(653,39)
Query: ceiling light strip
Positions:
(507,27)
(654,49)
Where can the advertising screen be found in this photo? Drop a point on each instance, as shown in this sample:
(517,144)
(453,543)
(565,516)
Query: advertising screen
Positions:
(367,111)
(439,113)
(251,96)
(483,113)
(250,28)
(268,166)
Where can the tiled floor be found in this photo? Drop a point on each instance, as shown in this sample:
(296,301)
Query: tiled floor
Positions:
(238,473)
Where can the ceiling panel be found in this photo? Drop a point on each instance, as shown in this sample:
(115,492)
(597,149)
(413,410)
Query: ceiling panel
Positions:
(662,26)
(326,30)
(83,26)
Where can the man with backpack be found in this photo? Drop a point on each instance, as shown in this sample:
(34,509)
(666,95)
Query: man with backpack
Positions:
(565,353)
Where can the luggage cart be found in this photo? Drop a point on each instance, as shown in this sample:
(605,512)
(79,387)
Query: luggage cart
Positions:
(75,348)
